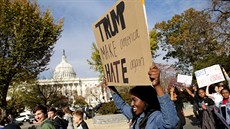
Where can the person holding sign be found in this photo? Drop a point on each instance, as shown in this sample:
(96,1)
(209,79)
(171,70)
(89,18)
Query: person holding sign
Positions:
(151,107)
(215,95)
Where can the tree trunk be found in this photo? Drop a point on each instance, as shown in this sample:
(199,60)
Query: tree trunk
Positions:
(3,98)
(3,101)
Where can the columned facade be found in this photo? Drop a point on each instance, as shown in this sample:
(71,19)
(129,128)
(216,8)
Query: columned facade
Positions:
(65,78)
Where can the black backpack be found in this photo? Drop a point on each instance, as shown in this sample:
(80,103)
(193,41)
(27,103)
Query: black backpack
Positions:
(64,123)
(60,123)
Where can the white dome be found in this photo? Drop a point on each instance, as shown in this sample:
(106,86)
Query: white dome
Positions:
(64,70)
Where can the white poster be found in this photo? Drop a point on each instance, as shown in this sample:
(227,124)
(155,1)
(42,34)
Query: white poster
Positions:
(184,79)
(209,75)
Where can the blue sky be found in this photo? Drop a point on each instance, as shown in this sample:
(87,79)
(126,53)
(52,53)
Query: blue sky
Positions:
(79,15)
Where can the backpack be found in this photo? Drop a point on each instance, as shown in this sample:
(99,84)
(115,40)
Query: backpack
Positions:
(60,123)
(64,123)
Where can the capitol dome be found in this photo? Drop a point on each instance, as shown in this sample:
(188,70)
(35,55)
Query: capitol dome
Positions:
(64,70)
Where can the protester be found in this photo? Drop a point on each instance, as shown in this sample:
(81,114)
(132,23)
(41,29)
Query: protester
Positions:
(68,116)
(2,123)
(176,98)
(7,122)
(41,115)
(60,113)
(215,95)
(10,124)
(79,120)
(195,96)
(224,105)
(206,110)
(86,112)
(59,123)
(150,108)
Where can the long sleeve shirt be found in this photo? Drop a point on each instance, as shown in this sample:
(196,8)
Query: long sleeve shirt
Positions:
(165,119)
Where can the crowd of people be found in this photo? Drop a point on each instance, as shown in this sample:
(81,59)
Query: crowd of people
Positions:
(210,104)
(151,107)
(51,118)
(58,119)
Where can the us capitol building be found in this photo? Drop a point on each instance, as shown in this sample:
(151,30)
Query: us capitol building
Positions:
(65,77)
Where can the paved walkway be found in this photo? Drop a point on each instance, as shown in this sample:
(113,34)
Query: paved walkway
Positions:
(124,125)
(190,119)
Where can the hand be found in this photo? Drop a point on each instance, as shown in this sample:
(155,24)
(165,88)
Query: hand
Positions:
(203,106)
(183,85)
(111,88)
(105,82)
(172,89)
(194,87)
(154,75)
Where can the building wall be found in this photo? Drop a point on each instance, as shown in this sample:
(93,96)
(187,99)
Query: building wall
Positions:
(85,87)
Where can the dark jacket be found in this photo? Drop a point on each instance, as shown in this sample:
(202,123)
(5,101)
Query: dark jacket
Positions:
(208,119)
(82,125)
(12,126)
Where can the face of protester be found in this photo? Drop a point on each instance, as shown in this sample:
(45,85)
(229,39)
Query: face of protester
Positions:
(201,93)
(39,116)
(194,87)
(174,96)
(51,114)
(137,105)
(217,89)
(220,88)
(76,119)
(225,94)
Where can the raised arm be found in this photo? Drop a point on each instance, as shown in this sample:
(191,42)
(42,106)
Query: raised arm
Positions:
(168,116)
(207,93)
(227,77)
(119,102)
(189,92)
(154,75)
(122,106)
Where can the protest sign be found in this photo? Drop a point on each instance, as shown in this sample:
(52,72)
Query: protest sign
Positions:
(209,75)
(184,79)
(123,43)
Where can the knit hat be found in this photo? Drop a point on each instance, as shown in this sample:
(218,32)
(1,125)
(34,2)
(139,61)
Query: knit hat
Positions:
(147,94)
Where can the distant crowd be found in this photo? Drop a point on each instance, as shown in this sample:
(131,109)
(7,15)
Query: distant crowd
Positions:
(51,118)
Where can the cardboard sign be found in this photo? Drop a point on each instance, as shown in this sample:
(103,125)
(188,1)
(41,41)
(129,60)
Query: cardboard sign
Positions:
(184,79)
(123,42)
(209,75)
